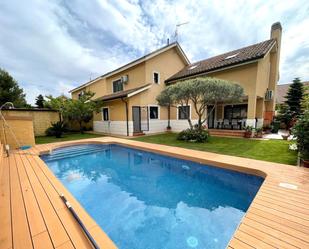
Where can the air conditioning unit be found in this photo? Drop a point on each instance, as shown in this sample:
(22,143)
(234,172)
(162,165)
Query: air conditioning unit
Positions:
(125,79)
(269,94)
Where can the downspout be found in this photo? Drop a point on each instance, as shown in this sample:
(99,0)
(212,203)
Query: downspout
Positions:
(169,116)
(127,114)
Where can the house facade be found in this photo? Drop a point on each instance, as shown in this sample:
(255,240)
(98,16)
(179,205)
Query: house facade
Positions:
(128,94)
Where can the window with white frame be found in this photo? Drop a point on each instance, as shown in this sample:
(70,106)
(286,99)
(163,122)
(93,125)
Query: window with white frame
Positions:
(105,114)
(184,112)
(153,112)
(81,94)
(156,77)
(117,85)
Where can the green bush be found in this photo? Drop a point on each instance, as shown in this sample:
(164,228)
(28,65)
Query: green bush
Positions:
(57,129)
(275,126)
(301,131)
(194,135)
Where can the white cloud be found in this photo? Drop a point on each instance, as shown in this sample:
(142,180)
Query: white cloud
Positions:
(51,46)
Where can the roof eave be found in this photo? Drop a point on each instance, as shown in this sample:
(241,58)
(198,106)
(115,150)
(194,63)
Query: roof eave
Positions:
(136,62)
(127,95)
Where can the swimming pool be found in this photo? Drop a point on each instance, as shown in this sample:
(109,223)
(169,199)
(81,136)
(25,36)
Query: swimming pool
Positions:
(148,201)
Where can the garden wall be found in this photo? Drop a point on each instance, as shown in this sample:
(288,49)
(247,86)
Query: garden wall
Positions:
(42,118)
(22,127)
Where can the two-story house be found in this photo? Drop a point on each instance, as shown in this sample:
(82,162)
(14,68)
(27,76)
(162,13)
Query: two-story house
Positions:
(129,92)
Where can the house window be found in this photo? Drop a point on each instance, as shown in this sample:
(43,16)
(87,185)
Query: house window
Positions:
(235,111)
(153,112)
(117,86)
(105,114)
(81,94)
(156,77)
(183,112)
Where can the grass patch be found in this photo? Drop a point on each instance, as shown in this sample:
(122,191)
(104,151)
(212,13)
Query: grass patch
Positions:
(65,137)
(267,150)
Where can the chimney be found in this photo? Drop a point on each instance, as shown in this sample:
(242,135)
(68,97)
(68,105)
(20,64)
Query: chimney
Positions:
(276,32)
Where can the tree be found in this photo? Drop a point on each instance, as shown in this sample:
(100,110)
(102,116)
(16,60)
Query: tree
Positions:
(286,116)
(201,92)
(59,103)
(80,110)
(165,99)
(39,101)
(305,100)
(10,91)
(294,97)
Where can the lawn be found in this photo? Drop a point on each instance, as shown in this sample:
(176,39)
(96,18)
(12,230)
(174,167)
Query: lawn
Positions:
(267,150)
(66,137)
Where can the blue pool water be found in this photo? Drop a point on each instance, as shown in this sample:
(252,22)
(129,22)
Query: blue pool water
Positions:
(144,200)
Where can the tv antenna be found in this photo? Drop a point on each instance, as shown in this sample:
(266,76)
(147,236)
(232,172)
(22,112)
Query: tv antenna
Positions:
(176,30)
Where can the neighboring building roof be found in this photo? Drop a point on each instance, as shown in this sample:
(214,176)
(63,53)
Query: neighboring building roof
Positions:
(282,90)
(124,94)
(220,62)
(135,62)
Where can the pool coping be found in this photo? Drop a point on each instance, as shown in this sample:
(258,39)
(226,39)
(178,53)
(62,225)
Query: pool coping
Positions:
(269,222)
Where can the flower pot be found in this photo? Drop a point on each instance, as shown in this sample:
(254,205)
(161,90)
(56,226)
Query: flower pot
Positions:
(285,137)
(259,135)
(168,128)
(306,163)
(248,134)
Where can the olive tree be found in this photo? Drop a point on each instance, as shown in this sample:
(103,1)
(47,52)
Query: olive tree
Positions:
(80,110)
(200,92)
(57,103)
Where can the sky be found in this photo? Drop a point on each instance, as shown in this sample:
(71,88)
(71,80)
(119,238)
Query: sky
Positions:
(50,47)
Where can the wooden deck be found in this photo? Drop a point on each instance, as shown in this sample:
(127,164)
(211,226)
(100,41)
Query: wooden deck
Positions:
(33,216)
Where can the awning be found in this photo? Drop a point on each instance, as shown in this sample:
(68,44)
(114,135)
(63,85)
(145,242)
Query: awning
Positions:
(124,94)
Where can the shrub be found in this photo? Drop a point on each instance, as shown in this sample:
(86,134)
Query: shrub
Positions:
(301,131)
(194,135)
(56,129)
(275,126)
(249,128)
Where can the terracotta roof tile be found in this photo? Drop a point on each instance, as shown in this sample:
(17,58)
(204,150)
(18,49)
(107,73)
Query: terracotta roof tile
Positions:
(232,58)
(122,94)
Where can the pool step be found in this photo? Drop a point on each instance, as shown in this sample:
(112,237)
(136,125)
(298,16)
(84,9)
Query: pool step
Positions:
(59,156)
(73,150)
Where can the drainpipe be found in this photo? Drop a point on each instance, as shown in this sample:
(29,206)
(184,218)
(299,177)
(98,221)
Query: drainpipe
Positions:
(127,114)
(169,116)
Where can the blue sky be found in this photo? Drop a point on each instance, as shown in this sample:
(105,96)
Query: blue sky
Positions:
(53,46)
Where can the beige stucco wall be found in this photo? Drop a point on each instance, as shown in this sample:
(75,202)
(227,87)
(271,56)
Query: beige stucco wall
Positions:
(117,111)
(157,64)
(136,78)
(22,127)
(140,75)
(41,119)
(98,88)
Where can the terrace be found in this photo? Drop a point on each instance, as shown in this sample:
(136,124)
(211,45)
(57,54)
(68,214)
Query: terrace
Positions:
(32,214)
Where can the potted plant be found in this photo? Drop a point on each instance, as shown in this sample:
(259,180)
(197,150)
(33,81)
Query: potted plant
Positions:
(301,132)
(248,132)
(267,129)
(168,128)
(258,132)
